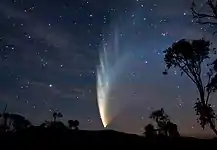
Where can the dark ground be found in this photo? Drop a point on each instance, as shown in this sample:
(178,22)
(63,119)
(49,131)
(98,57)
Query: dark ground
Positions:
(42,138)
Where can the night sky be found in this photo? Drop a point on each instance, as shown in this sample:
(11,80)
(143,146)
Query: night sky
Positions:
(49,51)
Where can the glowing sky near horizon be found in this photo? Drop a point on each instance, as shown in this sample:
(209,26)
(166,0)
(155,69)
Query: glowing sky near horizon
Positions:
(50,49)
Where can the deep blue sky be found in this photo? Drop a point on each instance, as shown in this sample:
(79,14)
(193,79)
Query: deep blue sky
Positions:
(50,49)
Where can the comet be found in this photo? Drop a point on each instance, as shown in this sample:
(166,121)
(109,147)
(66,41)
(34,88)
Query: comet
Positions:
(106,74)
(103,87)
(112,63)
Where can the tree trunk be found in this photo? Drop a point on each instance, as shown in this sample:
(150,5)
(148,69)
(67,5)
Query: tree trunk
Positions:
(212,126)
(202,98)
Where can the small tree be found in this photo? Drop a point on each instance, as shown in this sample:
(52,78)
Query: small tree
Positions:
(165,126)
(56,115)
(189,57)
(161,118)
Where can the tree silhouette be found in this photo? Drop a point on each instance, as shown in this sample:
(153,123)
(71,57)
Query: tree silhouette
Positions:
(207,16)
(56,115)
(189,57)
(165,126)
(161,118)
(73,124)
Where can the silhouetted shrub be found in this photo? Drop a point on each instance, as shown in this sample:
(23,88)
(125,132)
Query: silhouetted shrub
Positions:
(73,124)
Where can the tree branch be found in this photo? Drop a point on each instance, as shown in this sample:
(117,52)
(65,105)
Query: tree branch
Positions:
(210,3)
(198,80)
(184,70)
(198,15)
(210,90)
(202,17)
(207,22)
(208,95)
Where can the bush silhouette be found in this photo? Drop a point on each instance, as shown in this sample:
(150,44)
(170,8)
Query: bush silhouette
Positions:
(14,122)
(73,124)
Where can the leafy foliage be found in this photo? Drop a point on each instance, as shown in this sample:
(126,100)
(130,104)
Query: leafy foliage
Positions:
(187,55)
(165,126)
(73,124)
(160,117)
(205,113)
